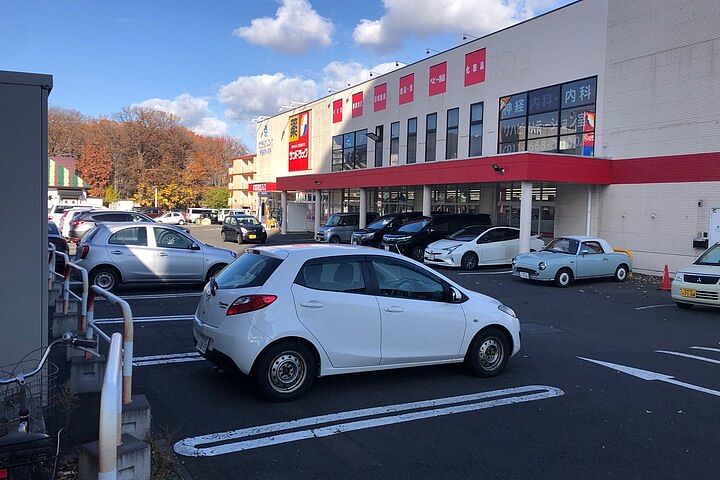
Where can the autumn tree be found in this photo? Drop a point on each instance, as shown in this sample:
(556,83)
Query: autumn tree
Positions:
(65,131)
(95,161)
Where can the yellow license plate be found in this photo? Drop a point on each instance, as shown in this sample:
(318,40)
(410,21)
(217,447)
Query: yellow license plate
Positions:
(688,292)
(251,236)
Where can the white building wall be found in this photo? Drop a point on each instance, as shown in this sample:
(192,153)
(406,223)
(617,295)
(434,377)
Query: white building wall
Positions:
(566,45)
(662,78)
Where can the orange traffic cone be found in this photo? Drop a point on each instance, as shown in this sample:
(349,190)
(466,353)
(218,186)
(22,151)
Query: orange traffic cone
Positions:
(665,285)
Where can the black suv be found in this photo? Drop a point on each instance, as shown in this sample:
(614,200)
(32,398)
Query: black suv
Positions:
(372,235)
(412,238)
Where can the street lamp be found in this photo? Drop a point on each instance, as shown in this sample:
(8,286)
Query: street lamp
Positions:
(155,186)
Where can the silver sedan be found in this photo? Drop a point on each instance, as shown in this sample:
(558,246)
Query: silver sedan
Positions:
(115,253)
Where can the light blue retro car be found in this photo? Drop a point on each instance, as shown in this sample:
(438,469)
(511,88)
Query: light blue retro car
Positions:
(566,258)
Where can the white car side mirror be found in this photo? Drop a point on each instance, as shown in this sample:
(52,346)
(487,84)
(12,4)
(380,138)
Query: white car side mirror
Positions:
(456,294)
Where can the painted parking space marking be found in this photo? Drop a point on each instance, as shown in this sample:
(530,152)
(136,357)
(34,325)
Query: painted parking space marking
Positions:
(167,359)
(326,425)
(687,355)
(649,375)
(709,349)
(485,273)
(655,306)
(168,318)
(156,296)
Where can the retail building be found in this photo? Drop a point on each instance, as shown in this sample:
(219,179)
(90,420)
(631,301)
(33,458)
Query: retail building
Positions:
(600,117)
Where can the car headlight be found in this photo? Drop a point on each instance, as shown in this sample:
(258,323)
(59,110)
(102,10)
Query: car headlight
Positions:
(514,261)
(451,249)
(679,276)
(368,236)
(243,229)
(542,266)
(507,310)
(404,239)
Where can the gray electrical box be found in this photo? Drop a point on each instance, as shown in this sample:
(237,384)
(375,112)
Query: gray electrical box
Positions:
(23,213)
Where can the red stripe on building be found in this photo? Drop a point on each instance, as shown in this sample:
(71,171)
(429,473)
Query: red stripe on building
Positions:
(698,167)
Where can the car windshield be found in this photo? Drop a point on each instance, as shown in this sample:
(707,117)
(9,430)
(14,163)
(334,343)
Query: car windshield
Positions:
(248,220)
(413,227)
(562,245)
(333,221)
(250,270)
(468,234)
(381,222)
(711,256)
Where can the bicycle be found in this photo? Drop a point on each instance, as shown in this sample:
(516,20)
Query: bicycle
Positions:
(24,453)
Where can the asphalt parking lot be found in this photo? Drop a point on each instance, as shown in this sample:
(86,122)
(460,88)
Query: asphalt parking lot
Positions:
(613,381)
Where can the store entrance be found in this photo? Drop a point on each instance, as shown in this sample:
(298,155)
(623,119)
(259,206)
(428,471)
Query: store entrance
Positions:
(543,208)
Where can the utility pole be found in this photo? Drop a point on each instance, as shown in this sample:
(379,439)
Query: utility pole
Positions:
(155,196)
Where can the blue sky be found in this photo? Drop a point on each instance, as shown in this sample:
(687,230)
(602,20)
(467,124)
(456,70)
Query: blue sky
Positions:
(189,58)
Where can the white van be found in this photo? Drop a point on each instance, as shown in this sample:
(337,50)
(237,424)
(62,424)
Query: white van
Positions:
(196,214)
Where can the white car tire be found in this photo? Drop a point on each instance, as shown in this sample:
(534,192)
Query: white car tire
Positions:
(469,261)
(564,278)
(621,274)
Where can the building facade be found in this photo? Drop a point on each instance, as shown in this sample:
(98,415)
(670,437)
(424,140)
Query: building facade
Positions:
(242,175)
(596,118)
(64,185)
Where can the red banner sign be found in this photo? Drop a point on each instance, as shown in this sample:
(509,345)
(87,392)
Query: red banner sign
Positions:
(407,89)
(337,111)
(357,104)
(299,142)
(475,67)
(380,97)
(437,82)
(263,187)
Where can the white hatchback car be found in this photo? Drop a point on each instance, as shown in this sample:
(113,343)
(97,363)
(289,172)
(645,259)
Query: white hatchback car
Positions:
(699,283)
(478,245)
(288,314)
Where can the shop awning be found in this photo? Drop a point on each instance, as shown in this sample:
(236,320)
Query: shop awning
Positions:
(536,167)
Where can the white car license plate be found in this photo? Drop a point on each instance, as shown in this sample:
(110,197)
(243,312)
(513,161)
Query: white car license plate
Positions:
(387,248)
(354,241)
(252,236)
(524,275)
(203,343)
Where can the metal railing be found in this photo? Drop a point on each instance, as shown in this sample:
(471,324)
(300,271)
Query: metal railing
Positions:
(110,431)
(128,335)
(66,292)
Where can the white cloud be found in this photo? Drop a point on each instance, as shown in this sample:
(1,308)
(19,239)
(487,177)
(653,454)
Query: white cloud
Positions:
(422,18)
(193,112)
(337,75)
(296,28)
(254,95)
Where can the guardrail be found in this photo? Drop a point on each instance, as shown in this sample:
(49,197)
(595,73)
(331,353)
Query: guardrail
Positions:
(128,335)
(51,263)
(110,432)
(66,292)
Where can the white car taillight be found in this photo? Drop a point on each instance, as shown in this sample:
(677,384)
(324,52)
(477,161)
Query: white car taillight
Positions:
(250,303)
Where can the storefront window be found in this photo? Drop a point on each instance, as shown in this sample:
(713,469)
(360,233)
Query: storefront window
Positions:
(430,137)
(412,140)
(379,146)
(559,119)
(462,198)
(476,127)
(349,151)
(395,143)
(451,137)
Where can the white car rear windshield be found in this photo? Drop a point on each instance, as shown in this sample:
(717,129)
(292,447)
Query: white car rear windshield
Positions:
(250,270)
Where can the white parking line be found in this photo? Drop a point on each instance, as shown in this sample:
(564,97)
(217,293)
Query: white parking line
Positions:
(485,273)
(156,296)
(687,355)
(169,318)
(192,447)
(166,359)
(656,306)
(707,348)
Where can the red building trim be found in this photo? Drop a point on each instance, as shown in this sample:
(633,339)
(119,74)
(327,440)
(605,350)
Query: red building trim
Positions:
(536,167)
(698,167)
(521,166)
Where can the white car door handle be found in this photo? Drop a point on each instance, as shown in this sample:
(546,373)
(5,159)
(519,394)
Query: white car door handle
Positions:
(394,309)
(116,252)
(162,254)
(312,304)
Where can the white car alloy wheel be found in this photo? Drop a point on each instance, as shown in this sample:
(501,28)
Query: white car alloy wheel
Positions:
(621,274)
(563,278)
